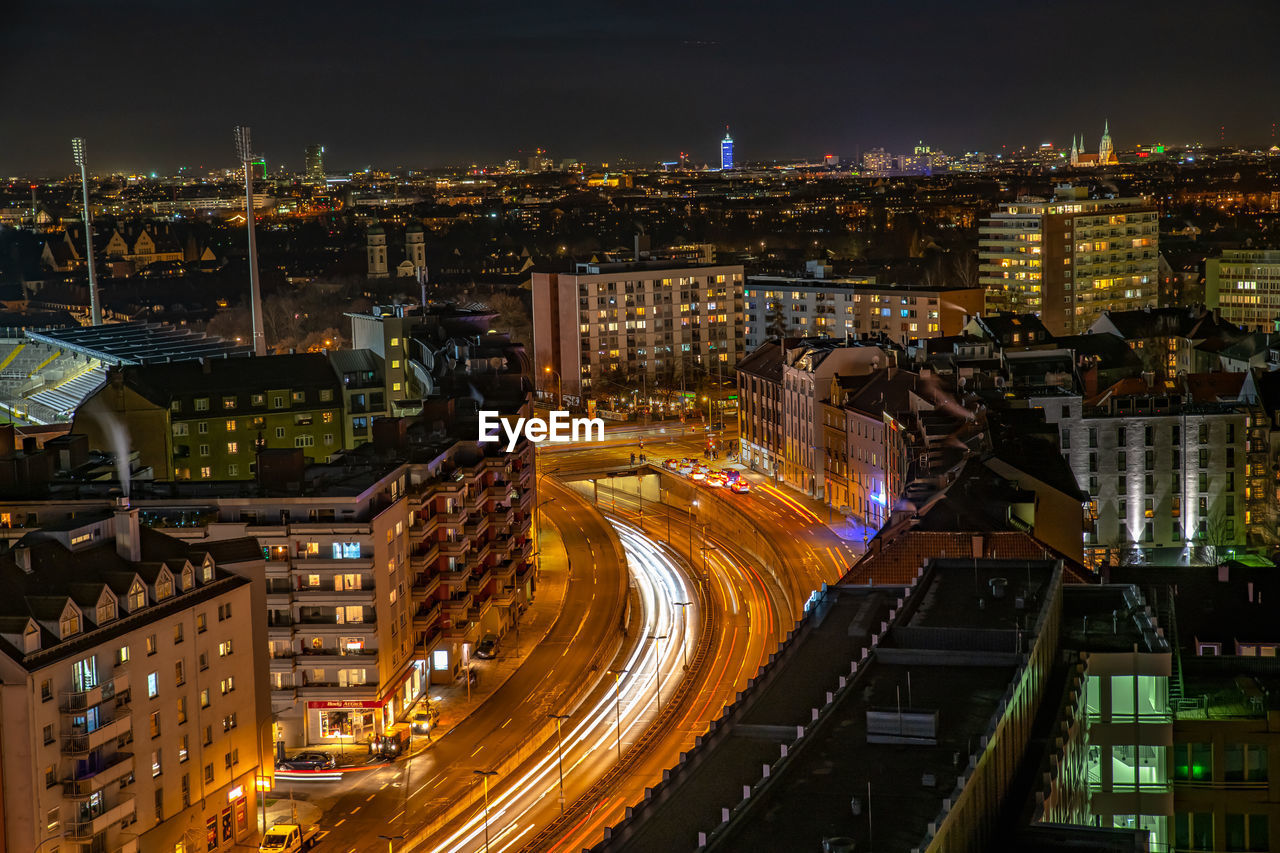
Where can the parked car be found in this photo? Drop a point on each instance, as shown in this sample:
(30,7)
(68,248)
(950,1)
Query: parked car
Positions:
(289,838)
(487,649)
(425,721)
(308,761)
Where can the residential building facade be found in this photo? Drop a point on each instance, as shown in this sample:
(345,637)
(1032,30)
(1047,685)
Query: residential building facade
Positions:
(194,420)
(1069,259)
(777,306)
(610,328)
(1161,471)
(134,690)
(1243,286)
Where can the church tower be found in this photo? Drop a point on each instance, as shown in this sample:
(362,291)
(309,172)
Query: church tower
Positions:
(1106,153)
(415,247)
(1075,152)
(377,244)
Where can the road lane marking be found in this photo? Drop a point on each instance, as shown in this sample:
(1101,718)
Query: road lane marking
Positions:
(371,796)
(339,823)
(356,809)
(478,748)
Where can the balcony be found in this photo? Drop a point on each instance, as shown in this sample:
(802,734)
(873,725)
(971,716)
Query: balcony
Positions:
(498,491)
(452,518)
(115,767)
(87,829)
(425,558)
(454,548)
(479,581)
(425,617)
(79,741)
(505,573)
(353,564)
(472,529)
(456,608)
(426,585)
(322,620)
(355,657)
(85,699)
(502,516)
(315,597)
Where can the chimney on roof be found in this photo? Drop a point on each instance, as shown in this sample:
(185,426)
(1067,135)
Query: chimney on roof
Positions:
(22,556)
(125,528)
(1224,573)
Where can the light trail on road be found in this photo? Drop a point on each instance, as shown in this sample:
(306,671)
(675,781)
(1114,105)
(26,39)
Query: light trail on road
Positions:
(591,738)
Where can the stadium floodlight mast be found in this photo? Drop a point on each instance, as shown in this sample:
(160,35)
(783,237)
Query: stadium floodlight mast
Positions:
(95,310)
(244,149)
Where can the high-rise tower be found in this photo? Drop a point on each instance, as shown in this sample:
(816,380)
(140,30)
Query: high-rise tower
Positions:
(314,164)
(726,150)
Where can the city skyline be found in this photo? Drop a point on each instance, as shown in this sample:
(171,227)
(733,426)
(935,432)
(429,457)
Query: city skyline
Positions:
(459,87)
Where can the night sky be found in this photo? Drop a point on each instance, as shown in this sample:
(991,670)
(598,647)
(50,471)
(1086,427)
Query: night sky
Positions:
(155,85)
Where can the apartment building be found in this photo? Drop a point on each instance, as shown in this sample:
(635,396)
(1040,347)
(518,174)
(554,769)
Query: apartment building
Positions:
(609,328)
(783,307)
(193,420)
(1243,287)
(132,689)
(384,566)
(807,370)
(759,381)
(1070,258)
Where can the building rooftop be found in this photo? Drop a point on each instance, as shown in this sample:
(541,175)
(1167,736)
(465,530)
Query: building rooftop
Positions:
(45,577)
(137,343)
(948,666)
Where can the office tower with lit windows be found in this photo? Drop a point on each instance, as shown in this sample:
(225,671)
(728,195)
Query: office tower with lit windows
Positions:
(613,327)
(726,150)
(314,165)
(1071,258)
(1243,286)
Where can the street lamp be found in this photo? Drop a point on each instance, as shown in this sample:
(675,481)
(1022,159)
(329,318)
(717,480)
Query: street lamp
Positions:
(657,670)
(617,704)
(485,774)
(95,310)
(559,718)
(692,506)
(684,645)
(263,781)
(389,839)
(559,385)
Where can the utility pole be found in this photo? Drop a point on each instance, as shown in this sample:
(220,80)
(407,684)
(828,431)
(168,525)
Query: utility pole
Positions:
(95,310)
(244,149)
